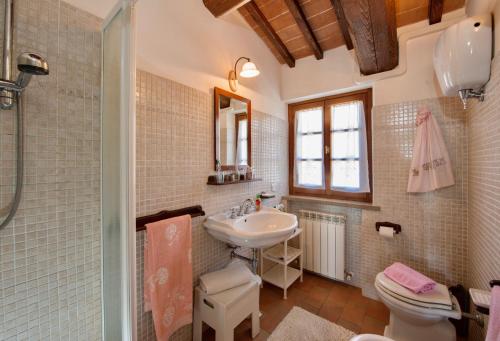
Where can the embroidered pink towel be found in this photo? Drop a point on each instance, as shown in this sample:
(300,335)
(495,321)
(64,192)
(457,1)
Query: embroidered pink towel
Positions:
(431,166)
(168,275)
(409,278)
(493,333)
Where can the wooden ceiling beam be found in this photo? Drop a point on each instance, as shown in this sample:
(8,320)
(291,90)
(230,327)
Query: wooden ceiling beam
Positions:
(221,7)
(344,28)
(372,24)
(269,32)
(435,11)
(305,28)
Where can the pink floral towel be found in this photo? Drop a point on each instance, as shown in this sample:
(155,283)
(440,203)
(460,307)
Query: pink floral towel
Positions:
(494,321)
(409,278)
(168,275)
(431,165)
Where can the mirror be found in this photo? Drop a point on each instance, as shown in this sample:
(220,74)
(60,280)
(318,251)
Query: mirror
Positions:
(233,115)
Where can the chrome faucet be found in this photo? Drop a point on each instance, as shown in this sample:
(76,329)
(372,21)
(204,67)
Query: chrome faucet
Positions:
(246,206)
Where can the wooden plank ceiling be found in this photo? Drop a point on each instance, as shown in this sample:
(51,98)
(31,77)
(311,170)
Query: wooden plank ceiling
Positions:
(309,27)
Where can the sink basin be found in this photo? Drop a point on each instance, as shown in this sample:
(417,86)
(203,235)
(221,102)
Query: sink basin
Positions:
(260,229)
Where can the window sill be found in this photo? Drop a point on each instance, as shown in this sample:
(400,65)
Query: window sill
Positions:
(344,203)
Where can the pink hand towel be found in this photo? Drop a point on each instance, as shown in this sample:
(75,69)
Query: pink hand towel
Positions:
(494,320)
(431,166)
(409,278)
(168,274)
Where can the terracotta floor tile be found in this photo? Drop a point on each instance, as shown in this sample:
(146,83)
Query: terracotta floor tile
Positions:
(358,300)
(371,325)
(306,285)
(273,317)
(378,311)
(244,332)
(278,305)
(338,297)
(353,314)
(317,296)
(308,307)
(324,282)
(268,296)
(349,325)
(331,313)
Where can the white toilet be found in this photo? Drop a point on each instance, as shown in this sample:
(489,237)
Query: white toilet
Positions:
(418,317)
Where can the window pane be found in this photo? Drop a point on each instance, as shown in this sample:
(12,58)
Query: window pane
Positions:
(345,174)
(310,146)
(243,151)
(345,144)
(242,129)
(310,120)
(309,173)
(345,115)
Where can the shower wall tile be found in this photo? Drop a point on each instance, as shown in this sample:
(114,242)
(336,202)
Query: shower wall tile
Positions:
(434,238)
(50,254)
(484,184)
(175,154)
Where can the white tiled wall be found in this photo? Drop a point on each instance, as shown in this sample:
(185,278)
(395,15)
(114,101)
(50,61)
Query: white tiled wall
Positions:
(50,255)
(434,224)
(484,182)
(174,158)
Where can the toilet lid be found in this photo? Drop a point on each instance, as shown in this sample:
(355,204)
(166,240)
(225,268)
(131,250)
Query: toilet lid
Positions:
(438,298)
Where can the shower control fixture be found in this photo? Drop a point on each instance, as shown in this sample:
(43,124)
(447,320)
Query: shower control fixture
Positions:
(28,64)
(11,94)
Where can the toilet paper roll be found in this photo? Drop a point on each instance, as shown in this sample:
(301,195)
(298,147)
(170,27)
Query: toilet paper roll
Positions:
(386,232)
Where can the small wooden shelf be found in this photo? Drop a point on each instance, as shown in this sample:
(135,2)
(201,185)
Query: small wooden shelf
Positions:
(233,182)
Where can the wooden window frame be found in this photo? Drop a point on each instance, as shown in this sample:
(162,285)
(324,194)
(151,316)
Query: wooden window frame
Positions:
(364,95)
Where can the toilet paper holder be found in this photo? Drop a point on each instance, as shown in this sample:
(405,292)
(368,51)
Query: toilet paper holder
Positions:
(396,227)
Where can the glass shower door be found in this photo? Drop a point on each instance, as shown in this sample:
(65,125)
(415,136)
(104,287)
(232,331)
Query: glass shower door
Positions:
(118,174)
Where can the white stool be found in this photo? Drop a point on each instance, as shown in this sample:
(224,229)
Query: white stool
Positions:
(225,310)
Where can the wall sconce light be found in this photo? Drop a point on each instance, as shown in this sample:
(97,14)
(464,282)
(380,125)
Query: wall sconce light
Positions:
(248,70)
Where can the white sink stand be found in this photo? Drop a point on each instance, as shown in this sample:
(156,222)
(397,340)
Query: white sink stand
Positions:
(281,274)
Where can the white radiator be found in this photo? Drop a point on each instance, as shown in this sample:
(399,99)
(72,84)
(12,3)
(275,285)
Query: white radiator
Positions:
(324,238)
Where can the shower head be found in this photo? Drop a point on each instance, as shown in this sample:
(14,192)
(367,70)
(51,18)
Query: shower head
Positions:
(30,64)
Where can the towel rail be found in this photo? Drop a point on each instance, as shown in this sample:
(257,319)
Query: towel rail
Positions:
(193,211)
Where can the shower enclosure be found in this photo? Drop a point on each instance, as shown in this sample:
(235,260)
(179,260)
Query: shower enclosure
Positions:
(118,173)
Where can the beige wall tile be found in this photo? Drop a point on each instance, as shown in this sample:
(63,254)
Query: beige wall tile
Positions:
(50,255)
(484,188)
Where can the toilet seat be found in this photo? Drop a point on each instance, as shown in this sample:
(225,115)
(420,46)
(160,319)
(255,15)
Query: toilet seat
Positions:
(434,304)
(439,298)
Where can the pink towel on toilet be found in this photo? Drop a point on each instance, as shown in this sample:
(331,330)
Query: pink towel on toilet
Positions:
(494,320)
(168,275)
(409,278)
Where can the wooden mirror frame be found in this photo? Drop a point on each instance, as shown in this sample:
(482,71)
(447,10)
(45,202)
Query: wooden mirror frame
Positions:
(217,93)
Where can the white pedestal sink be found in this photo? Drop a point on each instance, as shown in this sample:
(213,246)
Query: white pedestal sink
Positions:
(256,230)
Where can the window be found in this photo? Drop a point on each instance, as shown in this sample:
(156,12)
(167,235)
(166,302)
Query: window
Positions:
(330,147)
(241,122)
